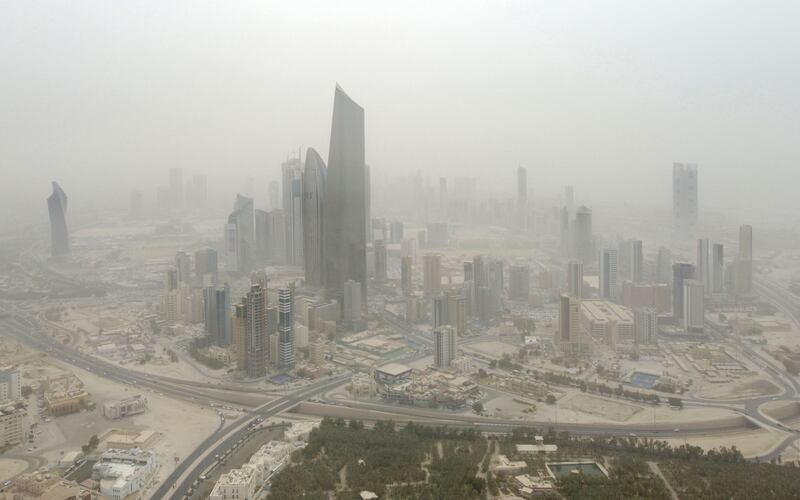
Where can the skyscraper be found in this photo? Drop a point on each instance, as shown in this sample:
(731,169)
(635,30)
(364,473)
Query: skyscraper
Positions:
(206,266)
(286,340)
(744,261)
(608,263)
(644,326)
(693,306)
(681,272)
(405,274)
(432,274)
(216,314)
(703,268)
(519,282)
(352,304)
(379,247)
(293,209)
(636,261)
(243,218)
(256,339)
(717,268)
(522,197)
(57,208)
(570,337)
(684,197)
(345,213)
(584,245)
(444,346)
(183,264)
(439,311)
(663,265)
(313,208)
(575,279)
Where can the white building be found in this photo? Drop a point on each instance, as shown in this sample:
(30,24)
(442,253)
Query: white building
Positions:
(125,407)
(645,326)
(608,321)
(608,270)
(693,306)
(124,472)
(444,346)
(236,484)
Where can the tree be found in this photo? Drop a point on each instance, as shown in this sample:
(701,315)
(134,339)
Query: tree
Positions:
(477,407)
(482,373)
(26,391)
(551,399)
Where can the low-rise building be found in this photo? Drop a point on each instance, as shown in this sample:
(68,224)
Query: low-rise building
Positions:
(505,466)
(10,388)
(125,407)
(236,484)
(124,472)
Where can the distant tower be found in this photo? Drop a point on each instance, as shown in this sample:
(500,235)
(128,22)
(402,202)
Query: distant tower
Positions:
(637,261)
(584,246)
(703,268)
(405,274)
(570,337)
(216,314)
(664,265)
(444,346)
(519,282)
(522,197)
(57,207)
(575,279)
(379,247)
(273,192)
(608,268)
(744,261)
(313,206)
(432,274)
(243,220)
(293,209)
(685,197)
(717,268)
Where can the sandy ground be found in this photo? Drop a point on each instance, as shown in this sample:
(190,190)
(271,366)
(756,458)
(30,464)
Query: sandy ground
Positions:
(746,387)
(611,410)
(491,349)
(10,468)
(749,443)
(183,426)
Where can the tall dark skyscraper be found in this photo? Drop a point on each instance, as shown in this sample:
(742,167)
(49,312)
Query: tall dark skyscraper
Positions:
(345,213)
(216,314)
(57,206)
(313,210)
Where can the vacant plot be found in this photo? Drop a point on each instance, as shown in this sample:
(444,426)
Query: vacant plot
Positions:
(610,410)
(741,389)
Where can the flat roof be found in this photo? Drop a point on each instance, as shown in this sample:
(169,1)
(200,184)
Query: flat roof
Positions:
(394,369)
(604,311)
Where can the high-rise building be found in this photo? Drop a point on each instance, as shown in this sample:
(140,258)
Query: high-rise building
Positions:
(379,248)
(406,280)
(522,197)
(239,334)
(607,269)
(206,266)
(681,272)
(183,266)
(469,274)
(217,315)
(256,338)
(243,218)
(496,285)
(10,386)
(519,282)
(693,306)
(636,261)
(345,215)
(352,304)
(584,243)
(645,324)
(444,346)
(575,279)
(293,209)
(273,192)
(313,207)
(457,311)
(702,267)
(744,261)
(570,337)
(565,234)
(439,311)
(717,268)
(684,197)
(663,265)
(432,274)
(57,208)
(176,188)
(231,245)
(286,337)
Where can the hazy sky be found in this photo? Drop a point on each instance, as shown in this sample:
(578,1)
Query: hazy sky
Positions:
(603,95)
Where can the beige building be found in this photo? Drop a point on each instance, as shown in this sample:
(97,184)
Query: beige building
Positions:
(13,425)
(608,321)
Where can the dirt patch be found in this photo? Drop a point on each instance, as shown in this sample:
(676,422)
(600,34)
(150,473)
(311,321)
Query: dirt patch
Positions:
(610,410)
(741,389)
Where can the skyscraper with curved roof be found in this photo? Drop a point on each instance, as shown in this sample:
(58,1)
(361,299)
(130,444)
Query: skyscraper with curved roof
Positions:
(313,210)
(57,207)
(345,213)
